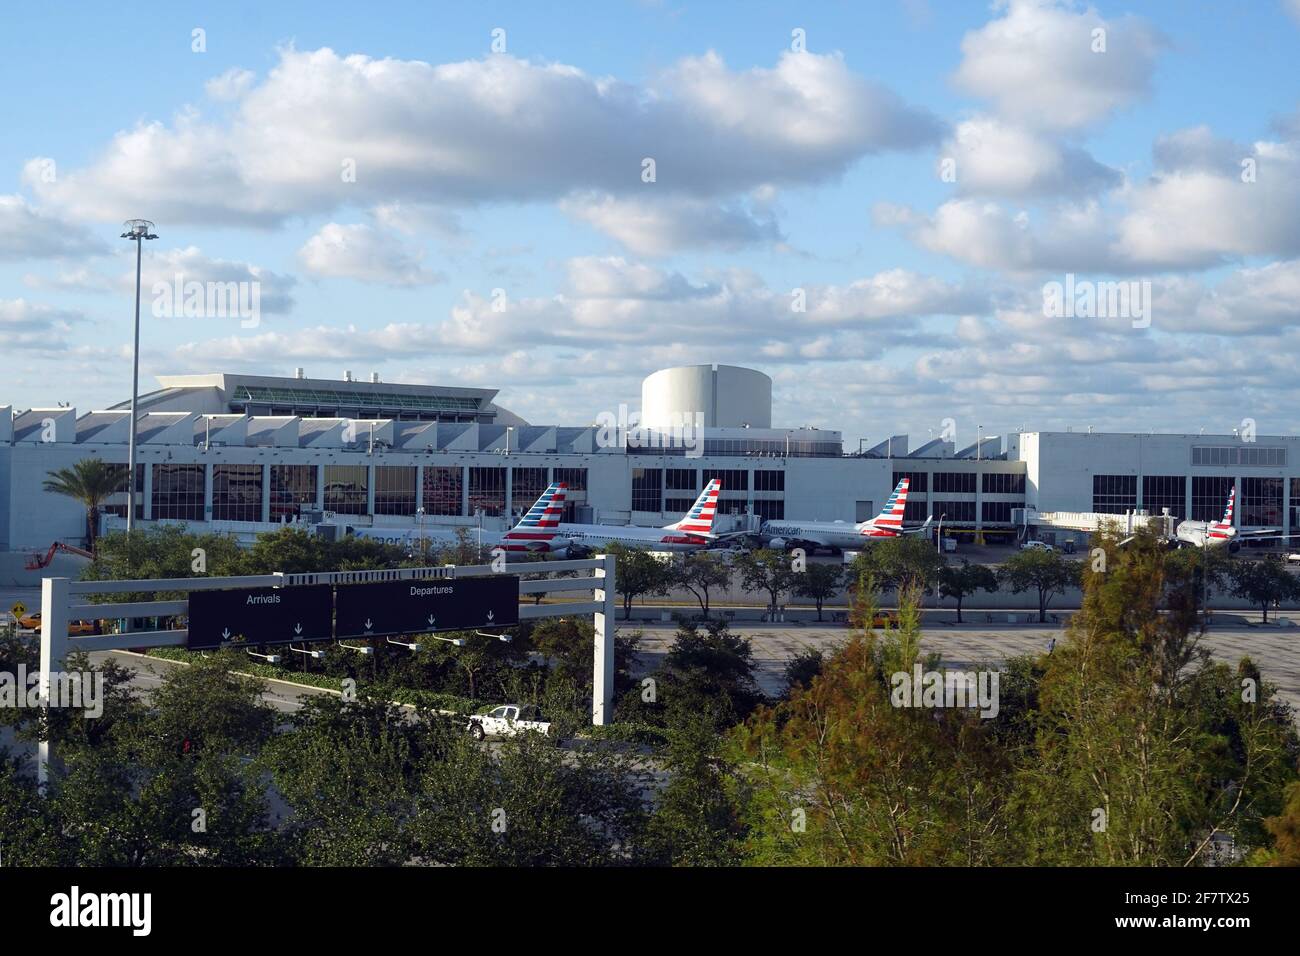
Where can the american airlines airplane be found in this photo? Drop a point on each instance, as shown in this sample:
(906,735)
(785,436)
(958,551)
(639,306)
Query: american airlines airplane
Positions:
(1217,534)
(839,534)
(541,530)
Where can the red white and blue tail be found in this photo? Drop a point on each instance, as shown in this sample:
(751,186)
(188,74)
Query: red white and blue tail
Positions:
(537,530)
(890,518)
(1224,528)
(700,518)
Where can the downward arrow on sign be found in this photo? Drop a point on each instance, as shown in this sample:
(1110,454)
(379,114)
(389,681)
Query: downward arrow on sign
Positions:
(490,615)
(225,634)
(297,628)
(369,624)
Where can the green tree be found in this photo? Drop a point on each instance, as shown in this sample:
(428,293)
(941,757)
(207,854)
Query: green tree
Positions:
(960,581)
(90,481)
(348,771)
(1045,572)
(768,571)
(819,581)
(1264,583)
(893,563)
(700,573)
(637,572)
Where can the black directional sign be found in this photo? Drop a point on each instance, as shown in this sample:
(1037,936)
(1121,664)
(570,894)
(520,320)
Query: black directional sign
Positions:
(419,607)
(261,615)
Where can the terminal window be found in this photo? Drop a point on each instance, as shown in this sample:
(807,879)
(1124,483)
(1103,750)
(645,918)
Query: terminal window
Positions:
(442,491)
(998,512)
(178,492)
(769,481)
(955,482)
(735,479)
(681,479)
(1261,502)
(293,487)
(1114,494)
(1165,491)
(1248,454)
(1295,502)
(487,490)
(117,503)
(575,478)
(997,483)
(647,489)
(959,512)
(770,510)
(914,511)
(237,492)
(919,483)
(346,489)
(678,506)
(1210,496)
(526,486)
(395,490)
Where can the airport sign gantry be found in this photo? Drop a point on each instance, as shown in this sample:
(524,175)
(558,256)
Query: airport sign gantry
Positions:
(282,608)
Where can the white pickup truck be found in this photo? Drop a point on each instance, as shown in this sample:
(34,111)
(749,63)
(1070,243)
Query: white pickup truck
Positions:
(507,721)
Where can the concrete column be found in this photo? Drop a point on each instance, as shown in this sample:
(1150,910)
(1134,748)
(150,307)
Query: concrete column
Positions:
(370,489)
(602,685)
(464,490)
(56,595)
(266,492)
(147,492)
(419,488)
(207,491)
(1187,498)
(510,483)
(320,487)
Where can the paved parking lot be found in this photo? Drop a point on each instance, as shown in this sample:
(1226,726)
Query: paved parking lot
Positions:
(1275,650)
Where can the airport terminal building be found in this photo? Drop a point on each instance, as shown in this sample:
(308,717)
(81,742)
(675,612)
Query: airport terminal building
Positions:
(243,454)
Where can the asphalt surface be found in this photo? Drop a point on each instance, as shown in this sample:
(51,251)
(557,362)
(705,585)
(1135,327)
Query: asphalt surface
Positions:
(1276,650)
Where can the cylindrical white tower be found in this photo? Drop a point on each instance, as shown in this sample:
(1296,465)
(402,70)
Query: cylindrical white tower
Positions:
(727,395)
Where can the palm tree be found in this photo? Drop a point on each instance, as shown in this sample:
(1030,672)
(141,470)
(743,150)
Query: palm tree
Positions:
(90,481)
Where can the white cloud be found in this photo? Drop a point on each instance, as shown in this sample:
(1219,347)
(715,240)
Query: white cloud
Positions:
(175,268)
(997,158)
(29,233)
(31,326)
(1036,63)
(367,254)
(230,85)
(498,128)
(662,223)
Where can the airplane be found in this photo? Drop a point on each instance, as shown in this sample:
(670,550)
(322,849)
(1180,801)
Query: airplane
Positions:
(841,535)
(541,529)
(1217,534)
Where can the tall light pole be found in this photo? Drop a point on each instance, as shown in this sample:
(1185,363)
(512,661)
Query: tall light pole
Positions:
(137,230)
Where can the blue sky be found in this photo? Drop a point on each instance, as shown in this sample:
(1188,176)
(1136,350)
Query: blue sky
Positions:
(776,170)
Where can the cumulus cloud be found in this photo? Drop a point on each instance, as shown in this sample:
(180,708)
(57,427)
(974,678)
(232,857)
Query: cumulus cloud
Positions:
(997,158)
(662,224)
(1037,63)
(367,254)
(175,268)
(498,128)
(32,326)
(30,233)
(230,85)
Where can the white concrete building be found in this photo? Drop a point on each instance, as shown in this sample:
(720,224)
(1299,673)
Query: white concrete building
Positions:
(243,453)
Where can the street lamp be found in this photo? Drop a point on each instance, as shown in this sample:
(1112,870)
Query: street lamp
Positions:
(137,230)
(938,538)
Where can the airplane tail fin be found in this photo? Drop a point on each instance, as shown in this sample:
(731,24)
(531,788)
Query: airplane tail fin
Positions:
(545,514)
(700,518)
(1227,512)
(891,516)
